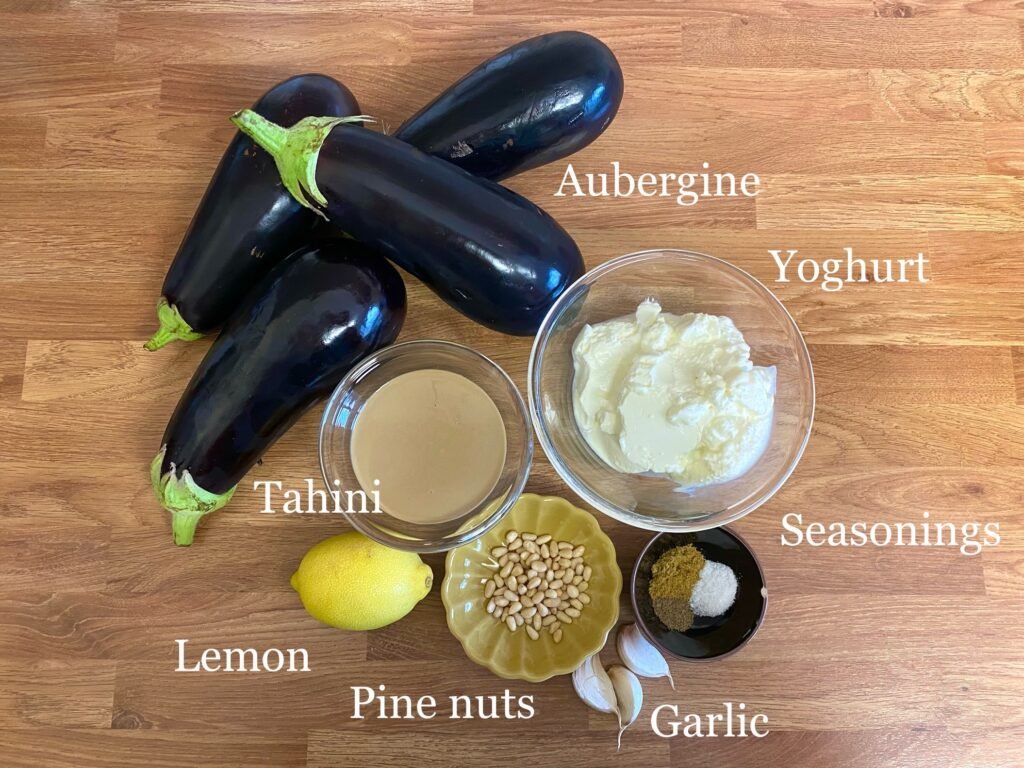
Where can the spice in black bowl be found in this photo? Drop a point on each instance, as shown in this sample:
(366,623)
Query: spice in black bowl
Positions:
(737,582)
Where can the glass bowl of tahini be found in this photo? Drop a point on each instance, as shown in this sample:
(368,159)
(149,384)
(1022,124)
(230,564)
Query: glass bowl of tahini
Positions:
(671,390)
(425,445)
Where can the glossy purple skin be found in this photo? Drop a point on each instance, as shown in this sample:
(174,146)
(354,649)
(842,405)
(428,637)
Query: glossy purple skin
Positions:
(534,103)
(247,221)
(316,315)
(490,253)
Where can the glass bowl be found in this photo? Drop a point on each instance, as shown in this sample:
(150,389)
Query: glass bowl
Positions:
(355,389)
(681,281)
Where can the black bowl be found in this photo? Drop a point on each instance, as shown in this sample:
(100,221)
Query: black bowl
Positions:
(709,638)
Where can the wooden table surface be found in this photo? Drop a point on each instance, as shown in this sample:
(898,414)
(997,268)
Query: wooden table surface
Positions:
(891,127)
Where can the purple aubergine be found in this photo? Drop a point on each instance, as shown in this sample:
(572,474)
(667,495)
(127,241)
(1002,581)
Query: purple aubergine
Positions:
(534,103)
(490,253)
(246,222)
(294,337)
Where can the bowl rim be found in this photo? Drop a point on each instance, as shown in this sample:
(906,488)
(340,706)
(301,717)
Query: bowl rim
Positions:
(599,643)
(569,477)
(689,659)
(384,355)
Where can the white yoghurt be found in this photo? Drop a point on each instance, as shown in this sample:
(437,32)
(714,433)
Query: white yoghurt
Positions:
(672,394)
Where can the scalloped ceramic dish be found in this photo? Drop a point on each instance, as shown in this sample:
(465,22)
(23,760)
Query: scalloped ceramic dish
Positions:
(513,655)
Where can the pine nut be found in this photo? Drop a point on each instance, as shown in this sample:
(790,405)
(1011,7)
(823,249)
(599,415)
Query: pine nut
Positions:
(537,583)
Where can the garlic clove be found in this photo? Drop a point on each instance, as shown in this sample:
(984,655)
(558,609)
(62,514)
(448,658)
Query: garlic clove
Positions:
(629,694)
(640,655)
(594,687)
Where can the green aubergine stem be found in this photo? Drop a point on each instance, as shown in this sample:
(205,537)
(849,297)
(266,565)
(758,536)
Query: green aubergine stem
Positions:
(172,327)
(295,150)
(184,499)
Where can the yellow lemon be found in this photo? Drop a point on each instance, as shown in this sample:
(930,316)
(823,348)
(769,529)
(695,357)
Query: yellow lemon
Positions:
(352,582)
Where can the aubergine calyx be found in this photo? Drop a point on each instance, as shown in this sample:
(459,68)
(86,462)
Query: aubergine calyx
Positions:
(172,327)
(295,150)
(185,500)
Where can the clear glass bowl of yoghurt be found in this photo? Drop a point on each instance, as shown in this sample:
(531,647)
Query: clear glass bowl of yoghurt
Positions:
(427,445)
(596,431)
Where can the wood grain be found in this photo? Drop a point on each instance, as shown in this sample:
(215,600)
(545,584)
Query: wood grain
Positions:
(924,95)
(890,127)
(842,43)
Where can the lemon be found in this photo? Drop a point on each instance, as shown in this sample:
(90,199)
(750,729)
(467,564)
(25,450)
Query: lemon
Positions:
(352,582)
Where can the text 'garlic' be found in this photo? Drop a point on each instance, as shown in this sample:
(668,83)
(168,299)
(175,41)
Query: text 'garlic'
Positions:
(594,687)
(629,694)
(640,655)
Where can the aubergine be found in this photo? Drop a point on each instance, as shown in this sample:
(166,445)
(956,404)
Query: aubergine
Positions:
(317,314)
(534,103)
(246,222)
(491,254)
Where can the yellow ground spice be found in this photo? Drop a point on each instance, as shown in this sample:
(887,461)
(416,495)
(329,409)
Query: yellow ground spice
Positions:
(673,578)
(676,572)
